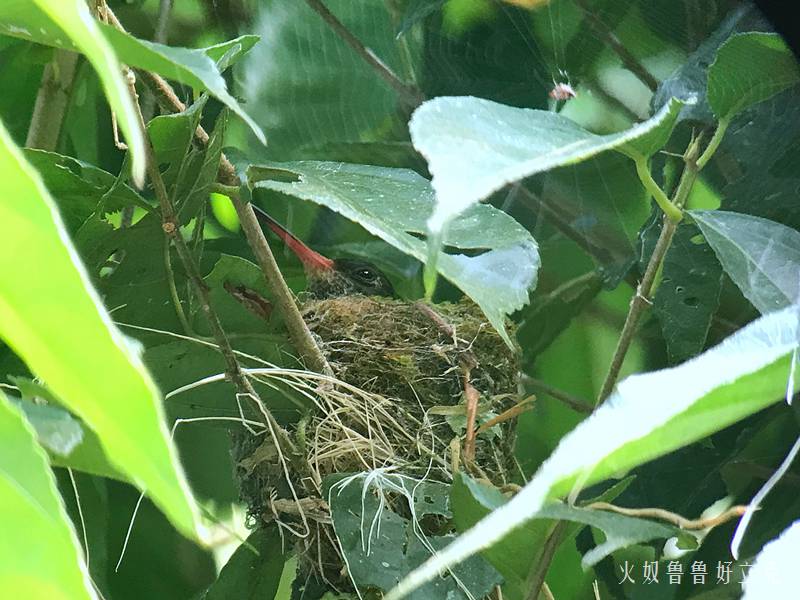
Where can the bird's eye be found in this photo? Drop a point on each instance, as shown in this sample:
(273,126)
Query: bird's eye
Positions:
(366,275)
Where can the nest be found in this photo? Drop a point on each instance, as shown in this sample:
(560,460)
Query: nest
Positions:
(402,372)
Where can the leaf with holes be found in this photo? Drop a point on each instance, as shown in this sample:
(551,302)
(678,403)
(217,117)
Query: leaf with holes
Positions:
(494,260)
(688,295)
(381,547)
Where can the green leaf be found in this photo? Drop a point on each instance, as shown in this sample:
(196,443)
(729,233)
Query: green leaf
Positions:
(69,442)
(774,573)
(56,429)
(760,256)
(39,553)
(81,189)
(253,572)
(475,147)
(54,321)
(381,555)
(749,68)
(195,67)
(393,204)
(691,77)
(71,24)
(688,295)
(648,416)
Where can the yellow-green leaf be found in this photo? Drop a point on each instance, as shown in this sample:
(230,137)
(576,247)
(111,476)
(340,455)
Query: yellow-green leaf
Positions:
(39,556)
(53,319)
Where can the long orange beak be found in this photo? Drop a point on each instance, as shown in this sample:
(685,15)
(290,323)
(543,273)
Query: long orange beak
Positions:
(312,261)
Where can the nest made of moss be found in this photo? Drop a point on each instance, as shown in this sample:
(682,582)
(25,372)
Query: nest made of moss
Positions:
(397,401)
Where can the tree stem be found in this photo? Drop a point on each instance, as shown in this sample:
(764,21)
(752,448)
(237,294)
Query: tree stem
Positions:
(642,299)
(613,42)
(52,100)
(409,93)
(664,203)
(713,144)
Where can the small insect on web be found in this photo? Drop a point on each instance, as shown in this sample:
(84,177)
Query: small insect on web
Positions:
(561,91)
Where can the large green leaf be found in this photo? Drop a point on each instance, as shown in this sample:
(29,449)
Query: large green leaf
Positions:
(760,256)
(774,573)
(475,147)
(39,555)
(381,547)
(648,416)
(393,204)
(53,320)
(749,68)
(70,23)
(194,67)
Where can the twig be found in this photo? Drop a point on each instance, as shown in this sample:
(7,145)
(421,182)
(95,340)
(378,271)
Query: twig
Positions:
(299,333)
(641,300)
(671,517)
(282,296)
(551,544)
(51,101)
(615,102)
(511,413)
(409,93)
(574,403)
(170,226)
(614,43)
(471,399)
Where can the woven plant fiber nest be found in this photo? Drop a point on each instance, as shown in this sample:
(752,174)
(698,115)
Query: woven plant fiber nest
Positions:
(397,404)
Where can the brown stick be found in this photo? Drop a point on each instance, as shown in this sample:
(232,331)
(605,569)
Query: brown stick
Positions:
(613,42)
(409,93)
(51,101)
(574,403)
(671,517)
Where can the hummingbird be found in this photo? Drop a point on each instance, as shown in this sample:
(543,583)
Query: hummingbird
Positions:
(329,278)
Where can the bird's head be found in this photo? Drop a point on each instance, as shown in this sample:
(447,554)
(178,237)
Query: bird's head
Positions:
(328,277)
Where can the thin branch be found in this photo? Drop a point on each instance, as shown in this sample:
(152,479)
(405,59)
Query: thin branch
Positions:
(671,517)
(539,573)
(300,335)
(614,102)
(170,226)
(641,300)
(52,100)
(409,93)
(613,42)
(283,298)
(571,401)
